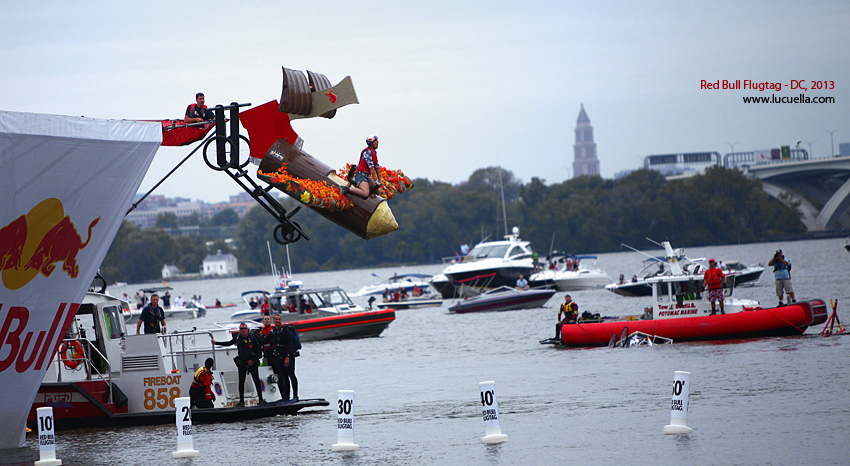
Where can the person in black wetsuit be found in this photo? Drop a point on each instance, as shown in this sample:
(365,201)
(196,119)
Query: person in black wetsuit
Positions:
(250,352)
(283,363)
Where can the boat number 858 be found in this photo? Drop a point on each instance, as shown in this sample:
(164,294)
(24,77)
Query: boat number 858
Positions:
(344,407)
(162,398)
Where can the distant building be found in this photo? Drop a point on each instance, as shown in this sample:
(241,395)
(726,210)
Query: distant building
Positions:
(844,149)
(170,272)
(146,213)
(584,150)
(219,265)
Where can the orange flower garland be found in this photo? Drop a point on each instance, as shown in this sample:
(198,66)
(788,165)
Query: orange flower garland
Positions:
(395,182)
(310,192)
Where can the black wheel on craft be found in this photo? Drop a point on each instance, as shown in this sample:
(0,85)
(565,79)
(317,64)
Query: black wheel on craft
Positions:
(624,337)
(613,341)
(287,234)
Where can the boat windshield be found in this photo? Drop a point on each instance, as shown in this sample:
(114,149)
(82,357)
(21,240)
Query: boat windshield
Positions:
(488,251)
(313,299)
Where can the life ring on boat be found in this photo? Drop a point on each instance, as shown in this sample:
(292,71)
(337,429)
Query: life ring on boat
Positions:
(71,360)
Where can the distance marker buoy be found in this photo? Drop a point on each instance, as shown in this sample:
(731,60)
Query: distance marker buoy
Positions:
(490,413)
(183,410)
(679,404)
(345,422)
(46,438)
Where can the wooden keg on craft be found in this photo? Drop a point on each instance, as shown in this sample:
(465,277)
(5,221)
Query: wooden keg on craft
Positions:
(366,218)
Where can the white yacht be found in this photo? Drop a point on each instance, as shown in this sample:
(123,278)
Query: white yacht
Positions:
(586,276)
(491,264)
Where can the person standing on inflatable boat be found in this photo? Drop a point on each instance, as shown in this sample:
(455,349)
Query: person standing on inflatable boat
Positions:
(367,172)
(714,280)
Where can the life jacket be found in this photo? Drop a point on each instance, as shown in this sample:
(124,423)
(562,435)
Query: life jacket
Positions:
(192,108)
(200,376)
(570,310)
(362,166)
(267,345)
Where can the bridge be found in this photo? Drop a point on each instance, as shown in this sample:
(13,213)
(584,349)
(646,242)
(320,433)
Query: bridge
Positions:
(821,186)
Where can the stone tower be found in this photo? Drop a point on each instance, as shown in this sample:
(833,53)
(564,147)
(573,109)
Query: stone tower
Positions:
(585,161)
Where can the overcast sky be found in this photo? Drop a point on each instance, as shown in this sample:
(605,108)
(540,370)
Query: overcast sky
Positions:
(448,86)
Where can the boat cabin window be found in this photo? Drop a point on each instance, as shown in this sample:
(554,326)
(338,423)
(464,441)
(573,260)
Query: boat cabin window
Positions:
(662,291)
(112,318)
(331,298)
(690,290)
(490,251)
(517,252)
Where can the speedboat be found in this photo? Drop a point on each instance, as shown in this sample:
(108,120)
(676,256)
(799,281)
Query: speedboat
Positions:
(681,312)
(506,260)
(190,310)
(586,276)
(417,302)
(320,313)
(744,274)
(109,377)
(442,285)
(408,282)
(674,263)
(504,298)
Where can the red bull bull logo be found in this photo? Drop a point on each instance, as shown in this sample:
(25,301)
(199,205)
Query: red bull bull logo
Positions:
(35,242)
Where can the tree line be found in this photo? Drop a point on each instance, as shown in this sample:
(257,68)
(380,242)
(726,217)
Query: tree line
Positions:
(586,214)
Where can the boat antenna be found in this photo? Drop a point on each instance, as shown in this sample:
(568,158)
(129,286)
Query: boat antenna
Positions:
(552,245)
(654,242)
(288,263)
(271,263)
(502,188)
(645,254)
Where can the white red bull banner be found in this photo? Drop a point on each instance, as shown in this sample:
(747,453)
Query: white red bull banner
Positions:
(66,183)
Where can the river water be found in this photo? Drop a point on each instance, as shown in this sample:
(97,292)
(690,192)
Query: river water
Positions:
(776,401)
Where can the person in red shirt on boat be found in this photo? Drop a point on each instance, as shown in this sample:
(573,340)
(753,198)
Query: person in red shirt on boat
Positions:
(200,392)
(367,172)
(713,280)
(197,112)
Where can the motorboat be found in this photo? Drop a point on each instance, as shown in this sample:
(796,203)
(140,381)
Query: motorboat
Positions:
(675,262)
(418,302)
(586,275)
(442,285)
(190,310)
(744,274)
(507,260)
(408,282)
(681,312)
(102,375)
(319,313)
(503,298)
